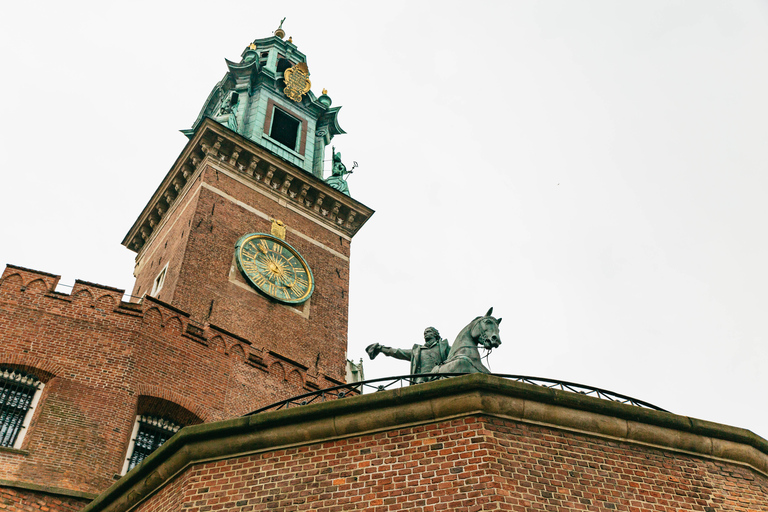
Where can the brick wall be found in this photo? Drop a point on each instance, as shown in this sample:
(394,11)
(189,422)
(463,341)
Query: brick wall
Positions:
(474,463)
(475,442)
(31,501)
(197,240)
(101,359)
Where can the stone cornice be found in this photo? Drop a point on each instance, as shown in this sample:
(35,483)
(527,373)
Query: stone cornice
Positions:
(475,394)
(213,142)
(29,486)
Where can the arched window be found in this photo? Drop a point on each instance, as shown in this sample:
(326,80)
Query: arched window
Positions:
(19,394)
(157,420)
(149,434)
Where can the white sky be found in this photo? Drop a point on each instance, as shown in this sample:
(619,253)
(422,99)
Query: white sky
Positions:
(595,170)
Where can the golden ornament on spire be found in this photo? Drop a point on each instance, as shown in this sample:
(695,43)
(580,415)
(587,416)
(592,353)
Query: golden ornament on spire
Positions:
(297,81)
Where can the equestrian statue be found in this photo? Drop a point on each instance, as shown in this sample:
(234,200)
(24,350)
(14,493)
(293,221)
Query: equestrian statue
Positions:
(436,356)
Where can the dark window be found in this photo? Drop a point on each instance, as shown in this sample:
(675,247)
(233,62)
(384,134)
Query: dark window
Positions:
(285,129)
(17,389)
(282,65)
(151,434)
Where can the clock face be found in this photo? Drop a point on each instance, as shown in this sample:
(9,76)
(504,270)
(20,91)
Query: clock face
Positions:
(274,267)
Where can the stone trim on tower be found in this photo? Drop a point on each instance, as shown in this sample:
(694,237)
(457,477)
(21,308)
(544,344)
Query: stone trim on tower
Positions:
(213,142)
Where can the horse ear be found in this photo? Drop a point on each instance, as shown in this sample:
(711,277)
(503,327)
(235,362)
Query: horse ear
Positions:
(498,321)
(489,311)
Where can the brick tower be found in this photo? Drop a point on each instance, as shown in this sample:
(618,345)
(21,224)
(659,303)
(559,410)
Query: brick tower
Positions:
(254,164)
(242,267)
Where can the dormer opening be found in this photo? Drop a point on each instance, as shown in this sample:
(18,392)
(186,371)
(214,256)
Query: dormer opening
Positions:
(282,65)
(285,128)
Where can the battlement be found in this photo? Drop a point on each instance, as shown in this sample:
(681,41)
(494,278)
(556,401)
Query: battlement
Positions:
(37,290)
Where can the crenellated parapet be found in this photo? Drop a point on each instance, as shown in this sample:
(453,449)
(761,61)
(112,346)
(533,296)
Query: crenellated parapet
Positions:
(214,144)
(101,363)
(97,307)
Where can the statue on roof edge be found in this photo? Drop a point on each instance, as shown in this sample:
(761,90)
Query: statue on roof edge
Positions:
(424,358)
(338,171)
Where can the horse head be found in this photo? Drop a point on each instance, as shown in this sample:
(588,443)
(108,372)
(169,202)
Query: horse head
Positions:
(485,330)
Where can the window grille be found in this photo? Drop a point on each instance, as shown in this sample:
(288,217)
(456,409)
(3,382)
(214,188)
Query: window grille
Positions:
(18,396)
(149,434)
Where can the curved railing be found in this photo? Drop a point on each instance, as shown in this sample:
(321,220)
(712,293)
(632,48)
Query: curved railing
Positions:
(375,385)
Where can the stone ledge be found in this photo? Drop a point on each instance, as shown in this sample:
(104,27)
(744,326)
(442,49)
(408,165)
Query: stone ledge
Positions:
(7,449)
(47,489)
(475,394)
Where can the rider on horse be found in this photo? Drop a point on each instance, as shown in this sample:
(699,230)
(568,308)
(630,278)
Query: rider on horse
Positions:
(423,358)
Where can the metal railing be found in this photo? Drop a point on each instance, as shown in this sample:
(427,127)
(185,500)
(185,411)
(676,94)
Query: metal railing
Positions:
(383,384)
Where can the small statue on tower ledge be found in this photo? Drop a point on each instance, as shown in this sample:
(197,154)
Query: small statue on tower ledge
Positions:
(337,178)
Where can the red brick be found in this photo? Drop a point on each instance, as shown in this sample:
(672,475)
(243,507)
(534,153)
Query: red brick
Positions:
(506,480)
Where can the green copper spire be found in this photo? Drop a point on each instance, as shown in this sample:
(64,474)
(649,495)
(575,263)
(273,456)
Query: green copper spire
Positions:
(267,98)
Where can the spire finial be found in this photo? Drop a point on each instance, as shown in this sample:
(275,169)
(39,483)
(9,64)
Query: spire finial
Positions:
(324,98)
(280,32)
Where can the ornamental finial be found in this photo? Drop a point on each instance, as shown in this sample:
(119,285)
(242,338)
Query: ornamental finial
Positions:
(280,32)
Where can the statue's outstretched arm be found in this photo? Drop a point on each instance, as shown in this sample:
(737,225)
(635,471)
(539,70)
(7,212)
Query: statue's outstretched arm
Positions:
(397,353)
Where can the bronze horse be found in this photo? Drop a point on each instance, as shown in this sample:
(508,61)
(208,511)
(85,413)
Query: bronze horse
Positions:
(464,356)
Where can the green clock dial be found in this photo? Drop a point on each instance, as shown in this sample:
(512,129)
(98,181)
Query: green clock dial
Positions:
(274,268)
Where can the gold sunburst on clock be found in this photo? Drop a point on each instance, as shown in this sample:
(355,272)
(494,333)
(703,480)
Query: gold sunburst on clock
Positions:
(274,268)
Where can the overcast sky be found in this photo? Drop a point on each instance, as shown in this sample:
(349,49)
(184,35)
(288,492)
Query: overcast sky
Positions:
(594,170)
